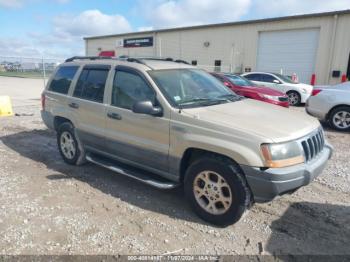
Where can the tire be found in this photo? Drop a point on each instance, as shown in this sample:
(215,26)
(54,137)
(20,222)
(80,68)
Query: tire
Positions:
(339,118)
(69,146)
(234,185)
(294,98)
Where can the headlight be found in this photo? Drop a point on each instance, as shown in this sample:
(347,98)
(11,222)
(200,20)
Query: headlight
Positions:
(274,98)
(282,155)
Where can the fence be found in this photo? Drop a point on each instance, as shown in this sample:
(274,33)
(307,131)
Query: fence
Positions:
(28,67)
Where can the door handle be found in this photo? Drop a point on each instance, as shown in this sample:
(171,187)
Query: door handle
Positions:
(73,105)
(114,116)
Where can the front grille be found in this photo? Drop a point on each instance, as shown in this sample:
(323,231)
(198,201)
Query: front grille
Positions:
(313,145)
(283,99)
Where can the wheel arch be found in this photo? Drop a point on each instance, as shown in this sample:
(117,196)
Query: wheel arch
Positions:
(59,120)
(193,153)
(335,107)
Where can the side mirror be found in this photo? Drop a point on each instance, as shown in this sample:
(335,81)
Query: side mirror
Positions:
(276,81)
(147,108)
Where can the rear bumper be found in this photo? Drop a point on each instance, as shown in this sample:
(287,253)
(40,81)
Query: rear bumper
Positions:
(272,182)
(320,114)
(48,119)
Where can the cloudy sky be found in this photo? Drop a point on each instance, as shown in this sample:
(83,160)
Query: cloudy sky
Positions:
(55,28)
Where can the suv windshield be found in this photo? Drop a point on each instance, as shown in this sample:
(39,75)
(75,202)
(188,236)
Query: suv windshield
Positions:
(239,80)
(192,88)
(285,79)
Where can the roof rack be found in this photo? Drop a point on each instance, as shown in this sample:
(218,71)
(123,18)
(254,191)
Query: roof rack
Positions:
(140,60)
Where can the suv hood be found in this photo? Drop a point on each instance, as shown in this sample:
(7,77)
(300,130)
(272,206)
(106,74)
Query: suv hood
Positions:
(263,119)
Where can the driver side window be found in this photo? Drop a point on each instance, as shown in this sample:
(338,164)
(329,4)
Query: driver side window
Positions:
(128,88)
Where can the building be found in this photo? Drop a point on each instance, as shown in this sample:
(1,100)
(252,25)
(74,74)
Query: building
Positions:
(302,44)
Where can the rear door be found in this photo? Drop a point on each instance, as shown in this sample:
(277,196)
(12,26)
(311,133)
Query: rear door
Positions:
(87,107)
(142,140)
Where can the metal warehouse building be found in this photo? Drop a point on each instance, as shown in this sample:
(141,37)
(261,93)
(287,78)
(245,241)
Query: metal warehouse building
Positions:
(303,44)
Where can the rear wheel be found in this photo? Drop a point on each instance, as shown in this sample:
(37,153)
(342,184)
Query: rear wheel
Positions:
(217,190)
(339,118)
(68,145)
(294,98)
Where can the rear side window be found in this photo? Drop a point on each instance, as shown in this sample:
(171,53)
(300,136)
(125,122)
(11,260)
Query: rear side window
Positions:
(63,78)
(253,77)
(91,84)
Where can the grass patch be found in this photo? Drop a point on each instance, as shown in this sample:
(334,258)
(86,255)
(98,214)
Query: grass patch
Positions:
(32,74)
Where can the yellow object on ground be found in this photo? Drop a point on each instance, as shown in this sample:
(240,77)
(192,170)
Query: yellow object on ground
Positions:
(5,106)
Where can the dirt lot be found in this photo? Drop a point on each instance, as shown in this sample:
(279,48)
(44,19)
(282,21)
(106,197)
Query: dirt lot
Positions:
(48,207)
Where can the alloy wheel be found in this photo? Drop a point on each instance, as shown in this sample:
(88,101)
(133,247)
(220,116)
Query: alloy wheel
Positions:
(342,120)
(212,192)
(67,144)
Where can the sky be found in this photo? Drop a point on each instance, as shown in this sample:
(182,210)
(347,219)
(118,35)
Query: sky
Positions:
(55,28)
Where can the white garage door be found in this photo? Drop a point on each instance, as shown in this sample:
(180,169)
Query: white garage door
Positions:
(293,51)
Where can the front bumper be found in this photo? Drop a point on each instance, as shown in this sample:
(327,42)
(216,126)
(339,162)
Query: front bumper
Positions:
(272,182)
(304,97)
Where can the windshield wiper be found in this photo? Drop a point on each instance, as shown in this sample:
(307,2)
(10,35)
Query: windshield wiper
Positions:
(232,97)
(203,101)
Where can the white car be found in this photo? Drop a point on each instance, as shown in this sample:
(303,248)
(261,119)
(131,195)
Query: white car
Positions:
(331,104)
(297,92)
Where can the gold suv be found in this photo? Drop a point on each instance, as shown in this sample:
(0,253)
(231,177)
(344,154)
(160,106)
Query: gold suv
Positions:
(166,124)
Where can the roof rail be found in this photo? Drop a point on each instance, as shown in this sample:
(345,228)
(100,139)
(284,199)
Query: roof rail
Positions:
(88,58)
(181,61)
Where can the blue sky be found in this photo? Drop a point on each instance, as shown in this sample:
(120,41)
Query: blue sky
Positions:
(55,28)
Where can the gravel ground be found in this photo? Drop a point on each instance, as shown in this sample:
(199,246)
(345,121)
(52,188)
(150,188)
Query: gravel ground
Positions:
(48,207)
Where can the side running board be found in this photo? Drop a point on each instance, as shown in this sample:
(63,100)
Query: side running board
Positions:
(140,175)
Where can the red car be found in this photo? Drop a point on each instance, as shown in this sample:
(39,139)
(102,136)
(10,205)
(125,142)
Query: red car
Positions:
(244,87)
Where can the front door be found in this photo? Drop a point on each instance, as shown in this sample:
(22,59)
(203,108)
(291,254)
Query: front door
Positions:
(139,139)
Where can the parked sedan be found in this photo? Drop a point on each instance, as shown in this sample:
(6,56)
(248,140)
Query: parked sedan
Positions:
(331,104)
(244,87)
(297,92)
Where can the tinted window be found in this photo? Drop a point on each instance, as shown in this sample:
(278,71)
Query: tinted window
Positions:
(253,77)
(267,78)
(129,88)
(191,87)
(91,84)
(63,78)
(239,80)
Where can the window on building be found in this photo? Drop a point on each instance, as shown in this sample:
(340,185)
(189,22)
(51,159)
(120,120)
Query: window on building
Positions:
(194,62)
(91,84)
(62,79)
(217,67)
(128,88)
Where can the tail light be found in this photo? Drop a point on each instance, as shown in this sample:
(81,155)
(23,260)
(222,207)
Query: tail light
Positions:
(315,92)
(43,98)
(227,84)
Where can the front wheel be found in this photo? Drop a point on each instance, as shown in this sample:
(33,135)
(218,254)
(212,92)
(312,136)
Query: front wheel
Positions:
(294,98)
(217,190)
